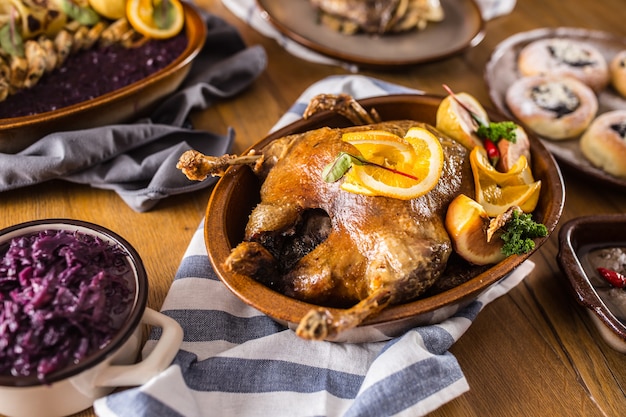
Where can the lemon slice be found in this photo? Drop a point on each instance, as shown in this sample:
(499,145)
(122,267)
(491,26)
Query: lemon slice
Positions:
(414,164)
(158,19)
(112,9)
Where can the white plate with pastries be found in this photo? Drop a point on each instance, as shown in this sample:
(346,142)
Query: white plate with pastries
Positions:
(505,70)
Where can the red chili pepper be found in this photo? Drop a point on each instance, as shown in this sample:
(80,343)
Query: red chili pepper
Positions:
(613,277)
(492,151)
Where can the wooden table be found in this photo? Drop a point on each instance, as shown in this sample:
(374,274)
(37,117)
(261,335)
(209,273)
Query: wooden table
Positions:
(532,352)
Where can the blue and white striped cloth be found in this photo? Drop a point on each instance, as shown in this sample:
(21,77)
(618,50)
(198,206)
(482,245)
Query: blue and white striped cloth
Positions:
(250,12)
(235,361)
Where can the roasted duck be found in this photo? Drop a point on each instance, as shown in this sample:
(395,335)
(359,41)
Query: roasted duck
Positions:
(315,242)
(378,16)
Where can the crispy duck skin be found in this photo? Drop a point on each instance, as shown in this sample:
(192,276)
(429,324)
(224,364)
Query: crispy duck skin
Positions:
(379,250)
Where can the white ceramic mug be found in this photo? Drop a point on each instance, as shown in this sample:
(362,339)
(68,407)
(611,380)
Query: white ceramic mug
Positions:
(78,392)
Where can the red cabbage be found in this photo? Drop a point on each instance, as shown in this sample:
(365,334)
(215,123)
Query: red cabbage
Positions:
(63,295)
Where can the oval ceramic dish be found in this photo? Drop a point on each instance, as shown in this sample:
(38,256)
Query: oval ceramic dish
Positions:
(237,193)
(576,238)
(118,106)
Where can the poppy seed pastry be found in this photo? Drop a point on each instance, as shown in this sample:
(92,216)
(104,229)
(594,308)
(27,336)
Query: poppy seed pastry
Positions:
(565,57)
(552,106)
(618,72)
(604,143)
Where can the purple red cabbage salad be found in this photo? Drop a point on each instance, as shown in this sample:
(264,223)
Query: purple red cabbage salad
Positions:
(63,296)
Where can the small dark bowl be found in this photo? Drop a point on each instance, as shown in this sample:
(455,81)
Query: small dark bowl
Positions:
(119,106)
(237,193)
(577,238)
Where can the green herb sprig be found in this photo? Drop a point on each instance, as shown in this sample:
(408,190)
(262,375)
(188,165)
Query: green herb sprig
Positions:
(344,161)
(519,233)
(10,39)
(496,131)
(84,15)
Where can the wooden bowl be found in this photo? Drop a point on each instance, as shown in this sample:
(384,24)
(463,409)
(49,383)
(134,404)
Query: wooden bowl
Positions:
(237,193)
(576,238)
(119,106)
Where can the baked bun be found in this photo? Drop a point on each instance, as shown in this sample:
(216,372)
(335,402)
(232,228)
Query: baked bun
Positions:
(618,72)
(552,106)
(604,143)
(565,57)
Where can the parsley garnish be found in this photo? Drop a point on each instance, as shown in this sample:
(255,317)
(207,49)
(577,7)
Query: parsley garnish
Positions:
(496,131)
(519,233)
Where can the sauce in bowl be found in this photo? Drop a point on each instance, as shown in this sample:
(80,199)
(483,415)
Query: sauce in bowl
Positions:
(614,259)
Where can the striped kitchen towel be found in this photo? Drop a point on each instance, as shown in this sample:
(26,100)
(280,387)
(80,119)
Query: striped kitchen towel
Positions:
(250,12)
(235,361)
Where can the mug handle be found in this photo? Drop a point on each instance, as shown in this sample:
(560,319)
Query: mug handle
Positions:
(160,358)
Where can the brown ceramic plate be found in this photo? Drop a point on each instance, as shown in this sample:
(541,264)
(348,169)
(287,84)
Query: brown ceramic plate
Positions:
(118,106)
(462,27)
(237,193)
(501,72)
(577,238)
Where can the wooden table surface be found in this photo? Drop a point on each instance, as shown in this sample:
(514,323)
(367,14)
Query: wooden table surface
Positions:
(532,352)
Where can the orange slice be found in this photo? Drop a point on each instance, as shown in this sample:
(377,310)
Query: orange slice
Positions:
(380,145)
(496,200)
(370,135)
(394,154)
(111,9)
(520,173)
(498,191)
(467,223)
(159,19)
(417,161)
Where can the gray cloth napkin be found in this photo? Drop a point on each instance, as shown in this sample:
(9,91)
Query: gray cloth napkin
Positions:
(138,160)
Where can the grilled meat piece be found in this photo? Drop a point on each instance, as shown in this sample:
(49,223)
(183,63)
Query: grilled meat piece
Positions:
(372,251)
